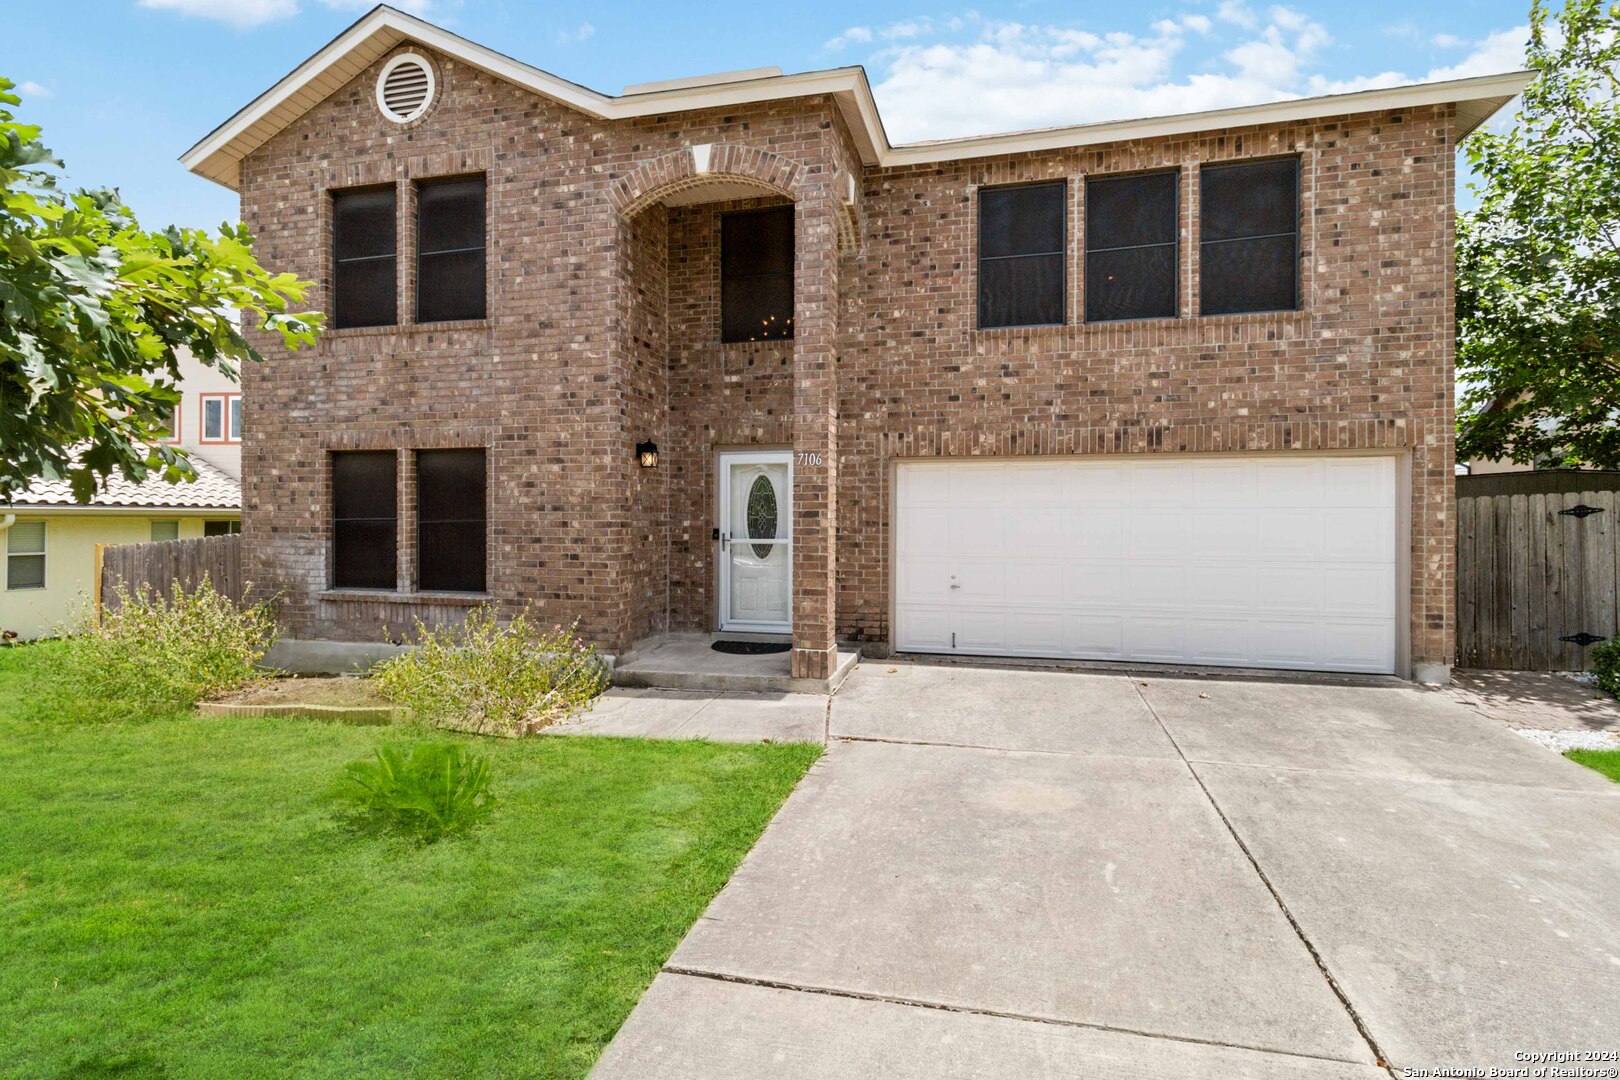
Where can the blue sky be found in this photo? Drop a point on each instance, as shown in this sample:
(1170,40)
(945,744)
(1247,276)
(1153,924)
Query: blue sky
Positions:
(133,83)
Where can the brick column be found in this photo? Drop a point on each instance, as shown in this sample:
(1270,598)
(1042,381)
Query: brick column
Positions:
(815,433)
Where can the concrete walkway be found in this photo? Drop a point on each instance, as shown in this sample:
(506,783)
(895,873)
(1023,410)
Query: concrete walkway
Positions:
(1029,874)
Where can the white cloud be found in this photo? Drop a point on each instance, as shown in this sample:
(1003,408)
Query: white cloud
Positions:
(580,33)
(1447,41)
(419,8)
(1501,51)
(31,89)
(238,13)
(943,78)
(244,14)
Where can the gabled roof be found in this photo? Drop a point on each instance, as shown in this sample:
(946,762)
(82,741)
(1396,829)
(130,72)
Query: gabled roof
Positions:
(218,155)
(212,490)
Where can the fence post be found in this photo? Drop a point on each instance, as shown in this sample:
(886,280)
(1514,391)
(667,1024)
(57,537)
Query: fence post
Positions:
(95,586)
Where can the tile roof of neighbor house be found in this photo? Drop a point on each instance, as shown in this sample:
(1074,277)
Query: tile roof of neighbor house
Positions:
(218,155)
(212,490)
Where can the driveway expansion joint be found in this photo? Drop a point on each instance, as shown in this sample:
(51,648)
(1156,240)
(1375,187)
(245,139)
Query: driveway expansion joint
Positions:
(1378,1054)
(966,1010)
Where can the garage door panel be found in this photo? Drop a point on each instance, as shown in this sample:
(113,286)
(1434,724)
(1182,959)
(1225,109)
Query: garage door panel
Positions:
(923,580)
(1160,482)
(1087,483)
(1286,642)
(927,629)
(1290,534)
(1096,636)
(1358,646)
(1261,560)
(921,484)
(1098,531)
(1037,633)
(979,484)
(1281,589)
(1094,583)
(981,581)
(1155,637)
(1223,483)
(1034,582)
(1218,641)
(1365,482)
(923,531)
(1156,585)
(976,530)
(1364,591)
(1040,530)
(1290,482)
(1224,533)
(1036,484)
(1221,587)
(1360,535)
(980,631)
(1156,534)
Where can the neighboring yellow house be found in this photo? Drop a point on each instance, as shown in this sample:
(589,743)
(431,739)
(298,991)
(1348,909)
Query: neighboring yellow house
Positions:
(49,541)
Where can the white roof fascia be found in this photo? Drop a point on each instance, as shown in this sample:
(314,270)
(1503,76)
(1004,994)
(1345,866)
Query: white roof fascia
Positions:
(217,155)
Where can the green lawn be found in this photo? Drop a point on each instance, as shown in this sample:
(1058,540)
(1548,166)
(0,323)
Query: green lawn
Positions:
(185,898)
(1606,762)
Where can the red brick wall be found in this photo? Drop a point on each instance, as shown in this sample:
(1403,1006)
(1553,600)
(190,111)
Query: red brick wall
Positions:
(597,321)
(1366,362)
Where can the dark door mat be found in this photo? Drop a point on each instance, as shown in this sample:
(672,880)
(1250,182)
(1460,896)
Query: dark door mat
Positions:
(750,648)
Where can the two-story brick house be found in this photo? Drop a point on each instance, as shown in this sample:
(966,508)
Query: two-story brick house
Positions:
(714,354)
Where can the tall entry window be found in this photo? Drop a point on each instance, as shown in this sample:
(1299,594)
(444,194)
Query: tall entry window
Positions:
(1021,255)
(1249,237)
(365,247)
(756,274)
(365,520)
(450,520)
(450,250)
(1131,231)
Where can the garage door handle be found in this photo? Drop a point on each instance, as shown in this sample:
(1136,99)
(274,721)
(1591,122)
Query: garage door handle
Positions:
(956,584)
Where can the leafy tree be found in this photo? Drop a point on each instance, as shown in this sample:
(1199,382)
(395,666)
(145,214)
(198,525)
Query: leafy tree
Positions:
(1538,263)
(94,312)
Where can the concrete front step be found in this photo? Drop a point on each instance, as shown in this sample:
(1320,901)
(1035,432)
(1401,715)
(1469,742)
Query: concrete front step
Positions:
(688,662)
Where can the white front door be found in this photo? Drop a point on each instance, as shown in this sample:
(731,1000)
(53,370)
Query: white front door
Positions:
(756,545)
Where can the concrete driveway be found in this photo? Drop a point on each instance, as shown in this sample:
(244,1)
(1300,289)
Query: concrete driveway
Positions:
(1021,873)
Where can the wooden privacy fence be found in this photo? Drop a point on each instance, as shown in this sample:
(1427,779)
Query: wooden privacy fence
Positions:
(166,564)
(1537,557)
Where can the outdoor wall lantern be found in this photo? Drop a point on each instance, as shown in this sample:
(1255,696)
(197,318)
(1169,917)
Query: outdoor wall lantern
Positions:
(647,454)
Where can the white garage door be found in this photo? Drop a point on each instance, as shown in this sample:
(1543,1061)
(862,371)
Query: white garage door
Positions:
(1261,560)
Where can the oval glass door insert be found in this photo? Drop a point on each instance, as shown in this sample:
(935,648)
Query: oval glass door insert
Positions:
(762,514)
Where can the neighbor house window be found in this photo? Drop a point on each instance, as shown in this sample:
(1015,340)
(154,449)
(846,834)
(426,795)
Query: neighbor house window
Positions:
(172,428)
(365,525)
(1021,255)
(221,420)
(364,249)
(1248,224)
(221,528)
(450,250)
(450,520)
(1131,231)
(165,530)
(25,555)
(756,274)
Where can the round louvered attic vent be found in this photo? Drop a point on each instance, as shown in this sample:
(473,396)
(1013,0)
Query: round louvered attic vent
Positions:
(405,88)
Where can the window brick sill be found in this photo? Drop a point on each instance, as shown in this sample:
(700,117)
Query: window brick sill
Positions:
(385,596)
(343,333)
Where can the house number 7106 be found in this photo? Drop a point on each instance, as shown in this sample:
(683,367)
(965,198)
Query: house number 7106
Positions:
(807,457)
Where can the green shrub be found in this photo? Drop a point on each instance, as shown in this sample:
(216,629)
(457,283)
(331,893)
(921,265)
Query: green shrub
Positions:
(432,791)
(1606,666)
(485,677)
(149,655)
